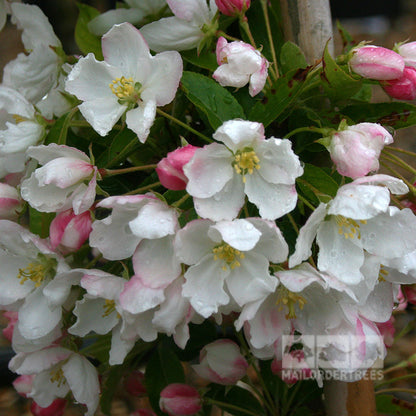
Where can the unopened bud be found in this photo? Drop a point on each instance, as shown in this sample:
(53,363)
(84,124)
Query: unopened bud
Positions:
(180,400)
(403,88)
(233,7)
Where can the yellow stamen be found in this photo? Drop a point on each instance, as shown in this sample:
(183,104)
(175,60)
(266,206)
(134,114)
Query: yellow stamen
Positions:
(35,272)
(288,299)
(382,274)
(245,162)
(349,227)
(109,307)
(18,119)
(57,376)
(230,255)
(124,89)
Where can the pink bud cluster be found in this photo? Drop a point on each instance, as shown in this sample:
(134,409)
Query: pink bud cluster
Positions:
(233,7)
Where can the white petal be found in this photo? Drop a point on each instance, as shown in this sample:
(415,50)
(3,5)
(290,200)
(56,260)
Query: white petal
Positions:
(102,284)
(44,154)
(272,200)
(18,137)
(58,289)
(44,391)
(227,77)
(13,102)
(209,170)
(119,347)
(141,119)
(105,21)
(189,9)
(395,185)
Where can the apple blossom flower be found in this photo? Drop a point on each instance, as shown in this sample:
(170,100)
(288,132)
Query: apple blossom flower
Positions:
(18,130)
(11,204)
(356,223)
(407,51)
(57,371)
(375,62)
(36,73)
(192,25)
(220,175)
(129,80)
(240,64)
(355,149)
(69,231)
(404,87)
(60,183)
(228,259)
(221,362)
(232,7)
(180,400)
(170,168)
(136,13)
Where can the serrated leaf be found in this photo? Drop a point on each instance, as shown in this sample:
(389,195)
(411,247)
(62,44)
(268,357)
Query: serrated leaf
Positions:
(86,41)
(337,83)
(217,103)
(162,369)
(281,96)
(291,57)
(395,114)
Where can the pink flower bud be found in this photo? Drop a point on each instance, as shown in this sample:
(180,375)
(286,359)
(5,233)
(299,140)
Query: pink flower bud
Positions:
(403,88)
(408,52)
(221,362)
(232,7)
(23,384)
(10,202)
(355,150)
(69,231)
(11,316)
(170,168)
(180,400)
(292,367)
(55,409)
(134,384)
(375,62)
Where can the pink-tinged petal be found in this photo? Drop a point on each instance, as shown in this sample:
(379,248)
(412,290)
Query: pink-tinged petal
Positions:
(221,43)
(90,79)
(92,316)
(192,242)
(278,162)
(56,408)
(227,77)
(403,88)
(21,344)
(239,234)
(171,33)
(101,284)
(296,280)
(251,280)
(272,244)
(166,66)
(154,220)
(45,391)
(82,378)
(84,196)
(102,114)
(63,172)
(141,119)
(237,134)
(189,9)
(23,384)
(155,262)
(408,52)
(272,200)
(225,204)
(37,361)
(124,47)
(136,297)
(44,154)
(209,170)
(258,79)
(204,286)
(36,318)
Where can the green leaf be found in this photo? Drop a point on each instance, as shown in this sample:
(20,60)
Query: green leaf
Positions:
(162,369)
(318,180)
(291,57)
(39,222)
(86,41)
(60,130)
(337,83)
(347,41)
(394,114)
(110,387)
(206,60)
(217,103)
(388,404)
(230,400)
(281,96)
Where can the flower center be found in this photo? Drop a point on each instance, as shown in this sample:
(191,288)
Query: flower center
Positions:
(37,271)
(109,307)
(382,274)
(229,255)
(126,90)
(245,161)
(349,227)
(57,376)
(18,119)
(288,299)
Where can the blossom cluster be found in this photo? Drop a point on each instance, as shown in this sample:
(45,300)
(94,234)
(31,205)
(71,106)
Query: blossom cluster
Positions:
(241,229)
